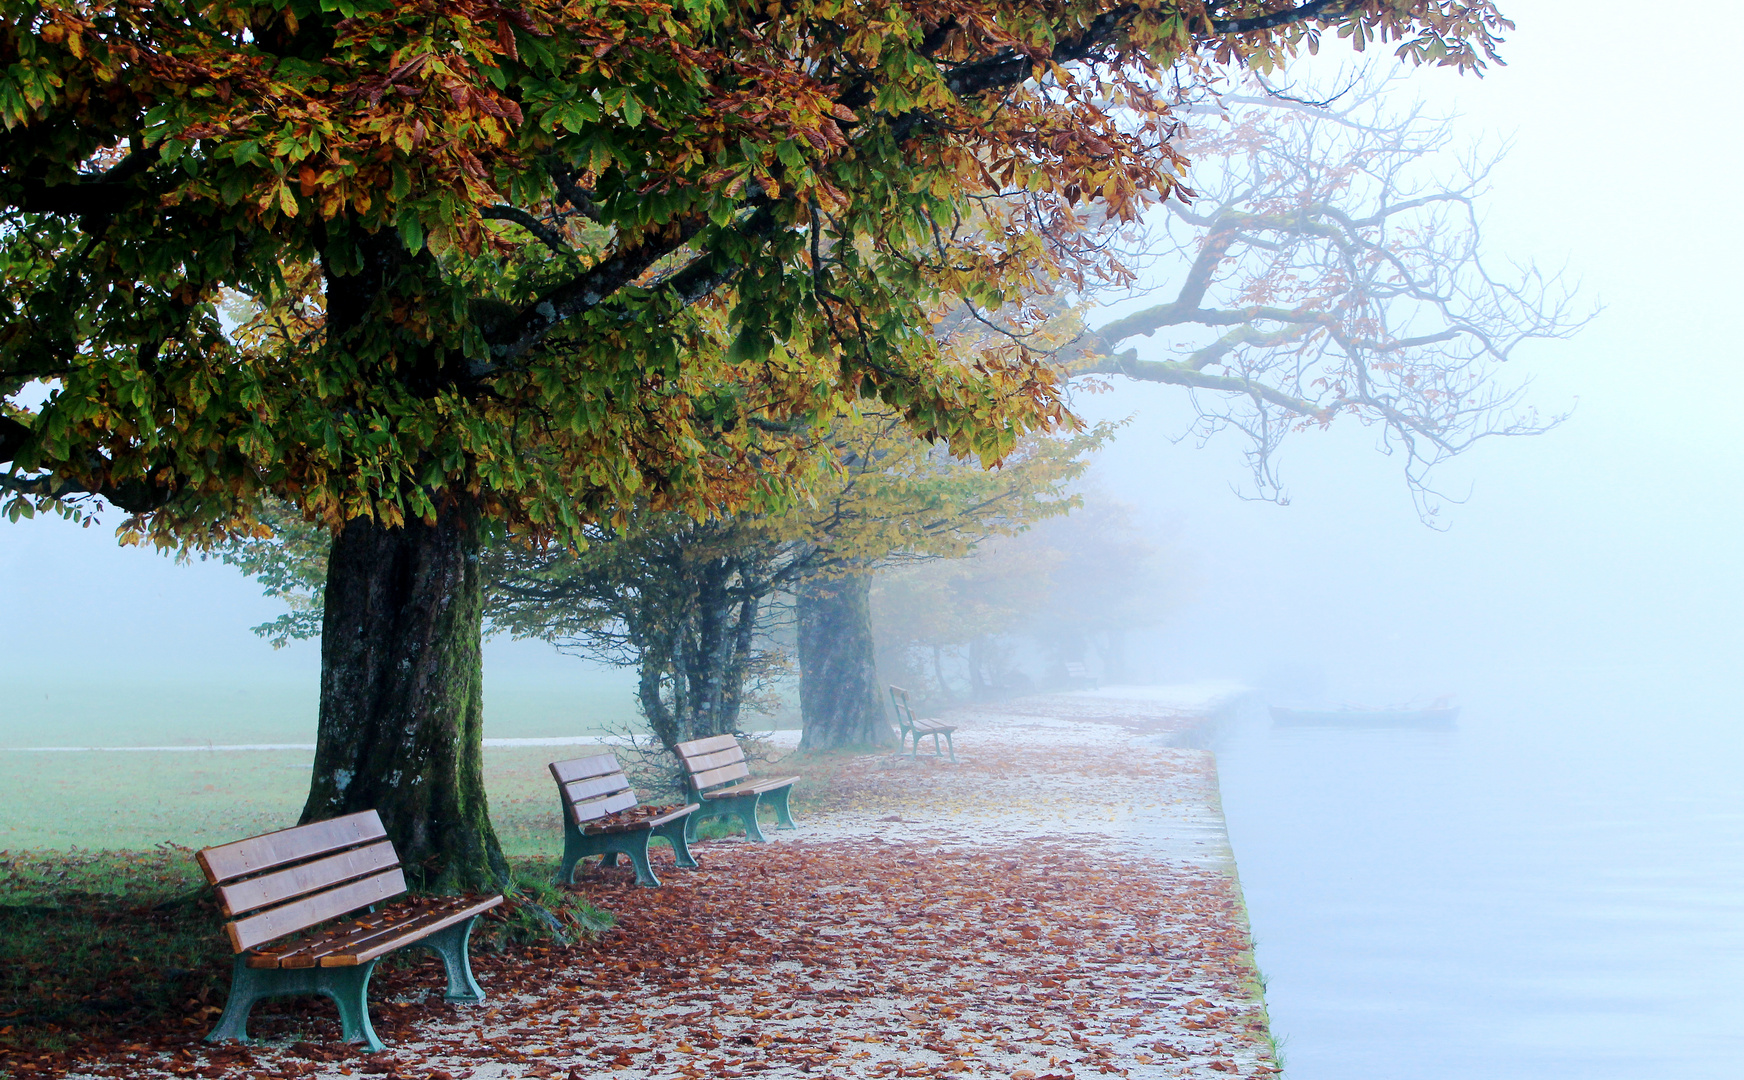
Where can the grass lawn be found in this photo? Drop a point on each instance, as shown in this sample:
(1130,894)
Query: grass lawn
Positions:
(104,923)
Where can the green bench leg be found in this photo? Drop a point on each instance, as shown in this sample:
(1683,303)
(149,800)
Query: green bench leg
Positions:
(348,987)
(673,833)
(451,944)
(778,802)
(635,845)
(573,852)
(948,742)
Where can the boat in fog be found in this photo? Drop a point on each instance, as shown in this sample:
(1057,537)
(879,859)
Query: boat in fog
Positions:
(1434,716)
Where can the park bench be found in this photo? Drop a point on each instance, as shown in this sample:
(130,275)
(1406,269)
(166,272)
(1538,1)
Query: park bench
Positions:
(909,728)
(601,816)
(1078,673)
(277,886)
(720,782)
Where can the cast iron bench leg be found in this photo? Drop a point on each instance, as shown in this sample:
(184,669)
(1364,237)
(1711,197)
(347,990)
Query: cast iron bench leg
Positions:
(778,802)
(635,845)
(573,852)
(451,944)
(673,833)
(347,986)
(746,808)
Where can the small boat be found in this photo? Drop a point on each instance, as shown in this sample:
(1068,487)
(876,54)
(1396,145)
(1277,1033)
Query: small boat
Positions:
(1436,716)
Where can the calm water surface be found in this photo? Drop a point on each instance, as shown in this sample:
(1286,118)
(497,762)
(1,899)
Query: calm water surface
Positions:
(1531,896)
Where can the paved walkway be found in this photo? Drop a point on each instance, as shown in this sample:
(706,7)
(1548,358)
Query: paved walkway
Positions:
(1060,904)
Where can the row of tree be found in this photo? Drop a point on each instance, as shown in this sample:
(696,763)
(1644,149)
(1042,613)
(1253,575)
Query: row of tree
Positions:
(510,301)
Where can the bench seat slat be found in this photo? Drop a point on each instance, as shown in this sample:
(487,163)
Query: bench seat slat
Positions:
(720,776)
(351,934)
(593,808)
(374,935)
(753,786)
(607,826)
(926,726)
(288,884)
(582,790)
(259,854)
(307,952)
(264,926)
(583,768)
(697,747)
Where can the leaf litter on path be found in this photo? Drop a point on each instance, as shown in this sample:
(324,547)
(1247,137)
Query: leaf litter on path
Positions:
(1059,905)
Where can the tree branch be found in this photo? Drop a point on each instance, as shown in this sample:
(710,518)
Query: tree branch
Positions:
(548,236)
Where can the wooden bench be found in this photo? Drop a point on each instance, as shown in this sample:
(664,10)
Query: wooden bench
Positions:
(302,879)
(1077,672)
(719,780)
(910,728)
(599,818)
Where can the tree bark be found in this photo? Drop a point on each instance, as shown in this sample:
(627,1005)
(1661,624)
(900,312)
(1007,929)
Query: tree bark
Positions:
(402,696)
(840,702)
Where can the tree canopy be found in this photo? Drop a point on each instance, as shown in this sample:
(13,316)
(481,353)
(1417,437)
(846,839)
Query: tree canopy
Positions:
(559,255)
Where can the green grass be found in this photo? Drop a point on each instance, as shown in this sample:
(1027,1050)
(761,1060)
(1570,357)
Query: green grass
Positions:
(104,922)
(102,938)
(119,940)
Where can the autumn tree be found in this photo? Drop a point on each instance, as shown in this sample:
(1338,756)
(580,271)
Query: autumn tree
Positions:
(1331,265)
(524,267)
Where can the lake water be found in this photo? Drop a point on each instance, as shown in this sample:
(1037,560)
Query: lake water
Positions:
(1539,894)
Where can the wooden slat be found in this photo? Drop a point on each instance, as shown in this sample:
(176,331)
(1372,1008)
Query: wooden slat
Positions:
(583,790)
(259,854)
(925,726)
(373,935)
(599,826)
(688,750)
(594,808)
(353,933)
(281,885)
(750,787)
(301,914)
(720,775)
(705,762)
(582,768)
(382,947)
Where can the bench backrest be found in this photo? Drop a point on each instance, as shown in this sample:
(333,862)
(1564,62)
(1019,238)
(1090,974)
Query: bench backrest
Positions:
(1076,670)
(290,880)
(713,761)
(592,787)
(904,711)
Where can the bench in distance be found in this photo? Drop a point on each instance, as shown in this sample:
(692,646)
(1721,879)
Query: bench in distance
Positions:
(303,879)
(600,818)
(910,728)
(719,780)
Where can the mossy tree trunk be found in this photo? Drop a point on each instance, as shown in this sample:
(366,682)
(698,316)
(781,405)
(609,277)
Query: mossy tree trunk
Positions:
(840,701)
(402,696)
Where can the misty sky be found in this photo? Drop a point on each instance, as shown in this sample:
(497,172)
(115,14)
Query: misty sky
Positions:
(1603,553)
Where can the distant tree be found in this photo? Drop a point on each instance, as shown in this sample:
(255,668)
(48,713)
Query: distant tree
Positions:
(1109,575)
(1075,582)
(1331,264)
(689,603)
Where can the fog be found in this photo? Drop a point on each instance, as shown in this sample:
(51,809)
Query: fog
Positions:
(1583,604)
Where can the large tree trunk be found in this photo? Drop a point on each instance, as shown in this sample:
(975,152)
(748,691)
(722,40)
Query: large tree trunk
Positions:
(840,702)
(402,696)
